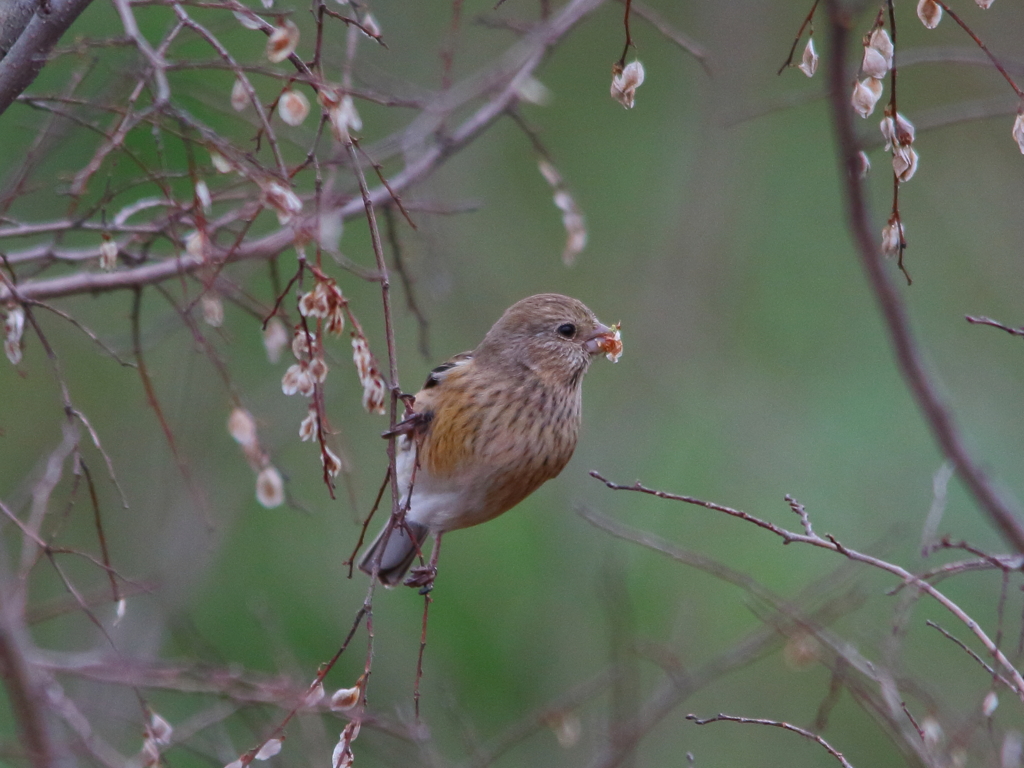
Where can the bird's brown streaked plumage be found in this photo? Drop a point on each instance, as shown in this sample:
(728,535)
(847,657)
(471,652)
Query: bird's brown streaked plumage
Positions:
(490,426)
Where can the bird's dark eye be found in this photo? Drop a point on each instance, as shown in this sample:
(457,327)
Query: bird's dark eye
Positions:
(567,330)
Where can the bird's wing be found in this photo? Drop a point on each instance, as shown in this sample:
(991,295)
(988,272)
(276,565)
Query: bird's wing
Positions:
(422,411)
(438,374)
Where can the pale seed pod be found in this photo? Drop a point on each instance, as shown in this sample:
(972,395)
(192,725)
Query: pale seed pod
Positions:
(270,748)
(108,253)
(1018,131)
(275,339)
(809,61)
(239,95)
(625,83)
(220,163)
(893,237)
(309,428)
(930,13)
(873,64)
(269,487)
(242,428)
(282,41)
(330,461)
(293,107)
(203,196)
(881,42)
(866,94)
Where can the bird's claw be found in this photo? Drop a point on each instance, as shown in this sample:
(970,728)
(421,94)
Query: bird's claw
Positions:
(422,577)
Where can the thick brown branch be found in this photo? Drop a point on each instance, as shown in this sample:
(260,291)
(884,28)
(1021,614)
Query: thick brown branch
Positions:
(26,57)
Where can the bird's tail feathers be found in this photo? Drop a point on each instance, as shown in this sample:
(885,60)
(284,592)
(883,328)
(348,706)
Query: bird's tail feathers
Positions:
(398,554)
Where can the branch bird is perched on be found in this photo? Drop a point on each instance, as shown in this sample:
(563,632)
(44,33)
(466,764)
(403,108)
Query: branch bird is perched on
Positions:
(491,425)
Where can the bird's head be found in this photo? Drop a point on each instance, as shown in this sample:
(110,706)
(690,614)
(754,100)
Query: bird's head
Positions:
(552,334)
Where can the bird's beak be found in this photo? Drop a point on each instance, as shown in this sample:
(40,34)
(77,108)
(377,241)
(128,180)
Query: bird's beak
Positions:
(604,339)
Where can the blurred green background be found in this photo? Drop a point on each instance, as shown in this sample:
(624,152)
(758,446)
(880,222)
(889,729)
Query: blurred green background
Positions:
(755,365)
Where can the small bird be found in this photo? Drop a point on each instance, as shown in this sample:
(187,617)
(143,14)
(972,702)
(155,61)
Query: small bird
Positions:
(489,427)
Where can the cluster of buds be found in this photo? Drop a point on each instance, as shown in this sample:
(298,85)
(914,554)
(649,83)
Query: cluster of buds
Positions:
(369,375)
(14,326)
(572,216)
(269,483)
(310,369)
(898,133)
(877,62)
(326,302)
(625,81)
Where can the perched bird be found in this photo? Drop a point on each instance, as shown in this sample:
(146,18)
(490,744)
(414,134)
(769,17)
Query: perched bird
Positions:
(491,425)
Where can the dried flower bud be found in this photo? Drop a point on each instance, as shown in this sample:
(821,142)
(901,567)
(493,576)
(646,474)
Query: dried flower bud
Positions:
(903,130)
(270,748)
(809,61)
(893,237)
(309,428)
(873,64)
(370,25)
(904,162)
(328,97)
(346,698)
(269,487)
(242,427)
(296,380)
(318,369)
(239,95)
(1018,131)
(344,118)
(866,94)
(930,13)
(342,757)
(159,729)
(275,339)
(984,4)
(931,732)
(14,326)
(989,704)
(880,42)
(213,309)
(302,347)
(336,320)
(369,375)
(330,461)
(315,302)
(286,204)
(108,253)
(293,107)
(282,41)
(314,695)
(197,244)
(566,727)
(863,164)
(221,163)
(533,91)
(625,83)
(203,196)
